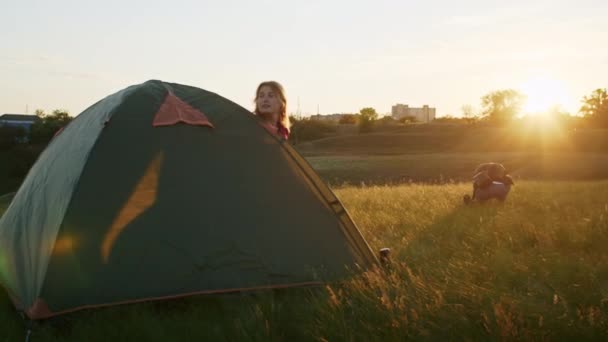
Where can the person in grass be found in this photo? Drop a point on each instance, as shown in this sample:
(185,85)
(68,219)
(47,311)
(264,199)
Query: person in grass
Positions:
(491,180)
(271,107)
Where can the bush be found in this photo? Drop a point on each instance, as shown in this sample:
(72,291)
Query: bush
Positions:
(44,130)
(21,159)
(387,121)
(408,119)
(10,136)
(349,119)
(367,119)
(306,130)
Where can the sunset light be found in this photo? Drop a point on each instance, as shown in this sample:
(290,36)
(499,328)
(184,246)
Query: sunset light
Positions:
(303,170)
(544,93)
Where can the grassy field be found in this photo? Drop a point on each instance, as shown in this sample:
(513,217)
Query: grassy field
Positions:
(534,268)
(443,153)
(339,170)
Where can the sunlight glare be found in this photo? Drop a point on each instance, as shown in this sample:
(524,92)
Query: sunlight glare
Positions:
(543,93)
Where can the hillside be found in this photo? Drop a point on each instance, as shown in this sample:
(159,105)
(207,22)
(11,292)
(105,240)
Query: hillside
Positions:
(446,167)
(440,153)
(458,139)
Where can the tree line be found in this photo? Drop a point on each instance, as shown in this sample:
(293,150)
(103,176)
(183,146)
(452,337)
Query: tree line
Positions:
(19,148)
(40,133)
(502,106)
(498,107)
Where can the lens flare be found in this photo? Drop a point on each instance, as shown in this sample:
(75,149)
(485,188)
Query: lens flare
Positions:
(543,93)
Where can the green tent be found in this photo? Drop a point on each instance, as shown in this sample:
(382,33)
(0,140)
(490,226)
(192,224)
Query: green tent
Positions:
(164,190)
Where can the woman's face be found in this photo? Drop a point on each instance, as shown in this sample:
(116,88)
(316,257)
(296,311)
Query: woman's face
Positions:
(268,103)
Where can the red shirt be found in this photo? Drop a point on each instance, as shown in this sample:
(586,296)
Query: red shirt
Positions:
(278,130)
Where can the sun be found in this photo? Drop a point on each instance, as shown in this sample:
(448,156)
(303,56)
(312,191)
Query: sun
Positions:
(544,93)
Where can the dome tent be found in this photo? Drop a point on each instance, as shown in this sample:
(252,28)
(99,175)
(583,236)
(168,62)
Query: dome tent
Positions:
(164,190)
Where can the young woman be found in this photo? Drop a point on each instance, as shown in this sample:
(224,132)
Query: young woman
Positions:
(271,107)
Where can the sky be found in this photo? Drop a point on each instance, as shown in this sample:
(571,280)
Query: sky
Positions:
(331,56)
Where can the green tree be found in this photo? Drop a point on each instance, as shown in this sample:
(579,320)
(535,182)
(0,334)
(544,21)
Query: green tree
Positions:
(595,107)
(10,136)
(501,106)
(387,121)
(348,119)
(49,124)
(468,111)
(367,118)
(469,114)
(306,129)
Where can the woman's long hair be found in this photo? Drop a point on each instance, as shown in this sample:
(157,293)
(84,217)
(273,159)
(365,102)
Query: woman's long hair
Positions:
(277,88)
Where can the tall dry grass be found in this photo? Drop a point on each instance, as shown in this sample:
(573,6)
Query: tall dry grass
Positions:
(533,268)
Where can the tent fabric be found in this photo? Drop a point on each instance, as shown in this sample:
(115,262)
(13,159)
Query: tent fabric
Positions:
(30,224)
(116,210)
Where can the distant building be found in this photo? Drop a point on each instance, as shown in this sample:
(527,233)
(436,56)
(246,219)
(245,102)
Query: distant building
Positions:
(18,120)
(425,114)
